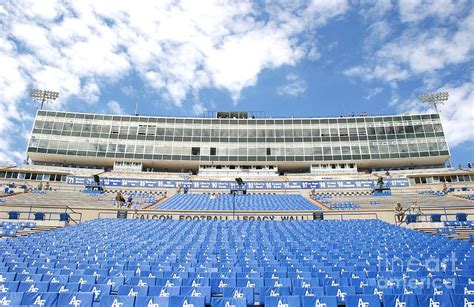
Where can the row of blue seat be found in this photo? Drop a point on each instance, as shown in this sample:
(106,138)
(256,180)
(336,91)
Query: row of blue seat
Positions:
(345,206)
(367,300)
(264,256)
(259,202)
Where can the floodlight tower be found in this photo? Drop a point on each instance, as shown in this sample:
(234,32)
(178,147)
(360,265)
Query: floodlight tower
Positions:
(435,99)
(43,96)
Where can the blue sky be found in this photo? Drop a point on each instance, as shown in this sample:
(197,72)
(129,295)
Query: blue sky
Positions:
(284,58)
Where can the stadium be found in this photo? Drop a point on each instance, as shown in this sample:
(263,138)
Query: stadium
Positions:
(236,209)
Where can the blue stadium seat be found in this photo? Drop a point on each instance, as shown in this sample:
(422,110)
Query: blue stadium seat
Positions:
(39,216)
(117,300)
(365,300)
(319,301)
(228,301)
(240,292)
(13,215)
(76,299)
(186,301)
(152,301)
(282,301)
(310,260)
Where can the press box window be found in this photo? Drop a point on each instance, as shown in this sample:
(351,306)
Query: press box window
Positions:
(213,151)
(195,151)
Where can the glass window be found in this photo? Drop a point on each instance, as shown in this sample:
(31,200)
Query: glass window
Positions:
(48,125)
(317,151)
(224,133)
(409,129)
(428,128)
(437,128)
(418,129)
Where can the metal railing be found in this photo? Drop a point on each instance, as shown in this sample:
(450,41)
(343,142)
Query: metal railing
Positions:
(423,215)
(73,216)
(228,215)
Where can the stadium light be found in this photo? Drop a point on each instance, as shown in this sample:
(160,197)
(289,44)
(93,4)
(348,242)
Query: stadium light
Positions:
(435,99)
(43,96)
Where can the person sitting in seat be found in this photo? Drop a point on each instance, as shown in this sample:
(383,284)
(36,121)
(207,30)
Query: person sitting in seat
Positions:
(399,213)
(129,201)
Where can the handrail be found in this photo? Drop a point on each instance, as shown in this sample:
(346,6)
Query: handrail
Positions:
(426,216)
(74,212)
(49,214)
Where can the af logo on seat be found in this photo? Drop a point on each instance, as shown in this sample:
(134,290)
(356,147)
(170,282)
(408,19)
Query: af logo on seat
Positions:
(400,304)
(75,302)
(319,304)
(38,301)
(151,304)
(195,293)
(163,293)
(186,304)
(467,303)
(4,301)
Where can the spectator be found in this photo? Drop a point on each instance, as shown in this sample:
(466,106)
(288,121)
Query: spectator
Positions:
(119,200)
(399,213)
(129,201)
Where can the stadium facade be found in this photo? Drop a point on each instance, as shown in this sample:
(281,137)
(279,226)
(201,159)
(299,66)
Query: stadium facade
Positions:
(236,140)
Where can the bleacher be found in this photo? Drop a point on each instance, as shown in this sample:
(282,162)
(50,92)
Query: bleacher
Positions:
(344,206)
(248,202)
(61,199)
(406,199)
(118,262)
(8,229)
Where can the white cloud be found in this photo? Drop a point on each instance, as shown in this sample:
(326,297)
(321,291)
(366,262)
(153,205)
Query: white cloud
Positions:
(115,107)
(418,51)
(175,47)
(375,9)
(295,86)
(418,10)
(373,92)
(199,108)
(425,51)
